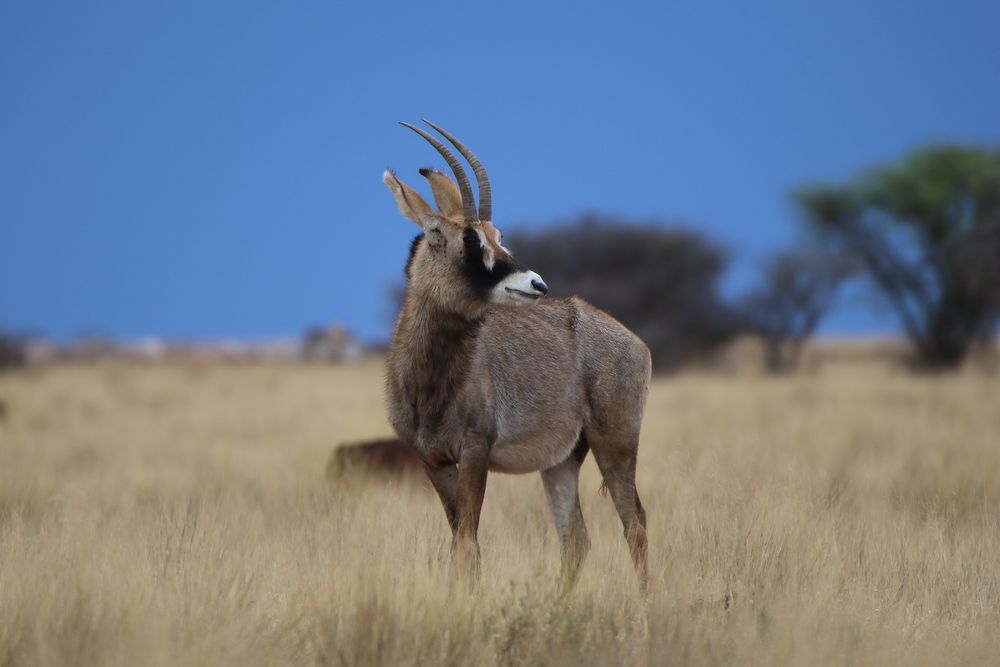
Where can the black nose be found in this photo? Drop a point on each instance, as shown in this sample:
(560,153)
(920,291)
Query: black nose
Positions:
(540,285)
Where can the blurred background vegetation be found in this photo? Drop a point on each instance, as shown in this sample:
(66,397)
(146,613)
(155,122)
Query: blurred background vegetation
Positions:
(920,235)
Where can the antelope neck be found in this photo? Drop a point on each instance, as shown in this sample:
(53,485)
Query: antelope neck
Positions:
(437,342)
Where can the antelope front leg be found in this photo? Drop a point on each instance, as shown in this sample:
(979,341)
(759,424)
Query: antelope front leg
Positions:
(445,482)
(473,464)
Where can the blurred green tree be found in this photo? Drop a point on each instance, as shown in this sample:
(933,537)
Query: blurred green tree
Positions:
(926,231)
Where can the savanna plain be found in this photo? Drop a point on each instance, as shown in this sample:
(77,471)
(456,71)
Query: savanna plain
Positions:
(179,514)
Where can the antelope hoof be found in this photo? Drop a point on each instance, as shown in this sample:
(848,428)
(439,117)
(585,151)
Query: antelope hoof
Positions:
(465,560)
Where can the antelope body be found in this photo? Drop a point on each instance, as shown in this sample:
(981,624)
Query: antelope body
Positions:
(483,374)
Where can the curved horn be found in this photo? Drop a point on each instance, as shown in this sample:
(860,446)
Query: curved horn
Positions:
(485,192)
(468,201)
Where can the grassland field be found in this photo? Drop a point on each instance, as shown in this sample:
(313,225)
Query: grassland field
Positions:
(179,515)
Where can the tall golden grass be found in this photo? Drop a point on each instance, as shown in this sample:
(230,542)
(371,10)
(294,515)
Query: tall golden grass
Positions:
(177,515)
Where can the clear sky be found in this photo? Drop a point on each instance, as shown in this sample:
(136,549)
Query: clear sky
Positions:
(214,169)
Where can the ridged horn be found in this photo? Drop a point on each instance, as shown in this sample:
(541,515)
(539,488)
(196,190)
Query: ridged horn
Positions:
(468,200)
(485,192)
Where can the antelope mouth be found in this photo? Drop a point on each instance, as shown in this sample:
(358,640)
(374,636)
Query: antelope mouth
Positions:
(521,288)
(526,295)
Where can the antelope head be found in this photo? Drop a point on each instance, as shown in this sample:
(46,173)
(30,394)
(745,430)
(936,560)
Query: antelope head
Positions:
(459,259)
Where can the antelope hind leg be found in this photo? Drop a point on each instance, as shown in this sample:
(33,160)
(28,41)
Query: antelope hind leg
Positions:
(617,465)
(562,491)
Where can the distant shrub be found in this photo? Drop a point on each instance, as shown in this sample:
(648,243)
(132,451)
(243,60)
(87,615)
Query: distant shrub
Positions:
(660,281)
(13,352)
(796,289)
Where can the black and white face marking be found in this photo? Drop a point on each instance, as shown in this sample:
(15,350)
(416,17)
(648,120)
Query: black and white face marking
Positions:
(523,287)
(498,277)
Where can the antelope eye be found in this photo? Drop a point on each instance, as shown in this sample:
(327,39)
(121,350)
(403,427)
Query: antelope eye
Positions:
(471,239)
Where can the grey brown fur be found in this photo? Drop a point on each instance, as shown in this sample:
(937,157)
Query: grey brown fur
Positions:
(388,459)
(480,381)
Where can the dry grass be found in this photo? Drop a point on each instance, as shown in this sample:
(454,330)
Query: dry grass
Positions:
(179,515)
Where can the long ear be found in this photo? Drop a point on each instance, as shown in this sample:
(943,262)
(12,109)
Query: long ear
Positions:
(446,194)
(411,204)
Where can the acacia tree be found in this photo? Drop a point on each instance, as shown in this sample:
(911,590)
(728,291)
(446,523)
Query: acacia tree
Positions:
(926,231)
(796,290)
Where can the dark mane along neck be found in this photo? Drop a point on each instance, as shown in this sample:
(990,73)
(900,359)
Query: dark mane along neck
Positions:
(430,351)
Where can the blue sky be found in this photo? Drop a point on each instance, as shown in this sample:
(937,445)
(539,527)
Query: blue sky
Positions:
(213,169)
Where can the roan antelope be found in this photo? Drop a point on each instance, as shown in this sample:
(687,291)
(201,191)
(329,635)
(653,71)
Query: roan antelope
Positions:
(476,381)
(387,458)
